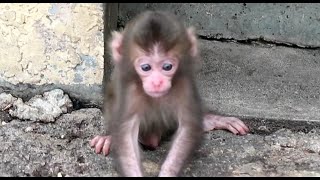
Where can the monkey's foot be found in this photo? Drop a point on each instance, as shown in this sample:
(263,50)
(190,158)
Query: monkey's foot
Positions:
(233,124)
(150,142)
(101,144)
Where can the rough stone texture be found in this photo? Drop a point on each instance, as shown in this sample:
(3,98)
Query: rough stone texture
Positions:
(46,149)
(296,23)
(42,108)
(6,100)
(43,43)
(62,149)
(80,94)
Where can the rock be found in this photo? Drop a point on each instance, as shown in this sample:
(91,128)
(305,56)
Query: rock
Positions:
(4,117)
(6,100)
(42,108)
(28,129)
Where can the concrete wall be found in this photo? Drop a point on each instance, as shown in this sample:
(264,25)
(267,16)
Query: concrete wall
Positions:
(61,44)
(282,22)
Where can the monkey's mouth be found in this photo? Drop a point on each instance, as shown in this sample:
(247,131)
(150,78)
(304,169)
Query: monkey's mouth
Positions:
(157,94)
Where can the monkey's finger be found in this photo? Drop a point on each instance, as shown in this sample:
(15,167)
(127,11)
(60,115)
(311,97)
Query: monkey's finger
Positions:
(241,123)
(238,126)
(243,129)
(246,128)
(232,129)
(106,146)
(94,141)
(100,144)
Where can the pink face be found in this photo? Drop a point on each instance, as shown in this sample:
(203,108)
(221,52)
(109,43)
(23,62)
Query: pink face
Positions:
(156,71)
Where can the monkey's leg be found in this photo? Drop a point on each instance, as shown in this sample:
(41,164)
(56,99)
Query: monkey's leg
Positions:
(233,124)
(101,144)
(125,146)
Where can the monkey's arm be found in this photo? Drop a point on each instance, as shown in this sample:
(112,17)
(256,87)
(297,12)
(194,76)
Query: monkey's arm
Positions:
(101,143)
(187,138)
(126,148)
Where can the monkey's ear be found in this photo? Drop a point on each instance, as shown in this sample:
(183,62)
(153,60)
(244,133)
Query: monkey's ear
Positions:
(193,39)
(116,46)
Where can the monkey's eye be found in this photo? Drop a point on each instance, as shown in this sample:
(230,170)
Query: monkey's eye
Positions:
(167,66)
(145,67)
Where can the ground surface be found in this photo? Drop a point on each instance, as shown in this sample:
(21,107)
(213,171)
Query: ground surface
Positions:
(61,148)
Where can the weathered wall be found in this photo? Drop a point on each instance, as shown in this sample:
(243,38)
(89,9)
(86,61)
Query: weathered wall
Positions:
(282,22)
(52,43)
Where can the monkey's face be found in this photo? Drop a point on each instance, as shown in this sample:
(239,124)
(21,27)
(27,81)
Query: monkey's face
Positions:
(156,71)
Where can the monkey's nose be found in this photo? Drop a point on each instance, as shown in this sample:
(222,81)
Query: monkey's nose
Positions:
(157,84)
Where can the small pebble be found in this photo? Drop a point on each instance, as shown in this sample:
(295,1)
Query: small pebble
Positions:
(28,129)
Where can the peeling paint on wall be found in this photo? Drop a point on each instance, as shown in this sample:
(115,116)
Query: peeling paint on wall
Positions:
(44,43)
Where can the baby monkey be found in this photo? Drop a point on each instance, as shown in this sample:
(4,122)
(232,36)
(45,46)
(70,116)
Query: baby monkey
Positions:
(153,92)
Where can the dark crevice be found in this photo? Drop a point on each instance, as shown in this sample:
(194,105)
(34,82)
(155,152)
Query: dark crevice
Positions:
(78,104)
(255,41)
(273,125)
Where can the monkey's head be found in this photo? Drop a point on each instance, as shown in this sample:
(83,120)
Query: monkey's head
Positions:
(155,46)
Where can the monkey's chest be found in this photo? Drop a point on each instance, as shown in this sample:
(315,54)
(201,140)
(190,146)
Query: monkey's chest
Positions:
(157,122)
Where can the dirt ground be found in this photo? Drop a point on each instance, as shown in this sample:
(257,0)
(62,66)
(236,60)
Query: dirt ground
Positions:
(61,148)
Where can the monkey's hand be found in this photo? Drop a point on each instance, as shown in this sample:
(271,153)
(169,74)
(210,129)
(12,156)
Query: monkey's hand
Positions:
(233,124)
(101,144)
